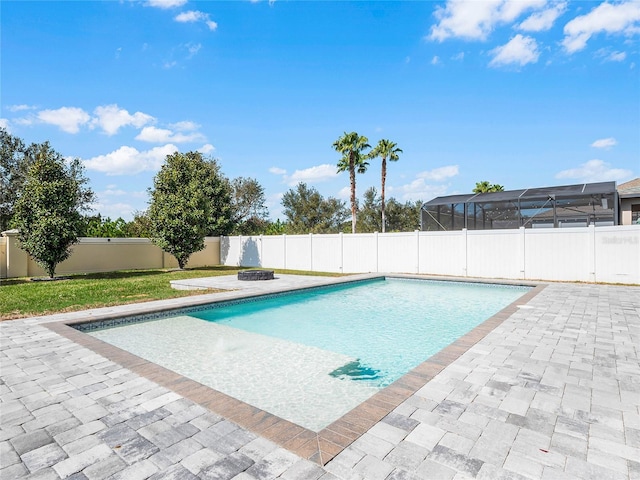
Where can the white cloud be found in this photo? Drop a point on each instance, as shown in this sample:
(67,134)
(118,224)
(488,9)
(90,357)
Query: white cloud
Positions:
(185,126)
(68,119)
(113,210)
(112,191)
(165,4)
(435,60)
(29,120)
(419,189)
(474,20)
(617,56)
(344,193)
(129,161)
(4,123)
(459,57)
(318,173)
(277,171)
(163,135)
(609,56)
(610,18)
(111,118)
(605,143)
(20,108)
(193,49)
(192,16)
(440,173)
(519,50)
(543,20)
(595,171)
(206,149)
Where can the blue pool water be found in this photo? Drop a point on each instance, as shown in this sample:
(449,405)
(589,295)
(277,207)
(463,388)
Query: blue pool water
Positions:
(390,326)
(312,356)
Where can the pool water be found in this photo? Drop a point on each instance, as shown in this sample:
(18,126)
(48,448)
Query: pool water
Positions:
(312,356)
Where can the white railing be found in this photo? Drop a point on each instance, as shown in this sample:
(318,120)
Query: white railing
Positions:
(588,254)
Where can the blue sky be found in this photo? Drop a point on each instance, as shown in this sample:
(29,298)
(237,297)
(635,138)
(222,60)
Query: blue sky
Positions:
(523,93)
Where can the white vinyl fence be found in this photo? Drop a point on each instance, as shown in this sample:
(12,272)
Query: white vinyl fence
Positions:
(588,254)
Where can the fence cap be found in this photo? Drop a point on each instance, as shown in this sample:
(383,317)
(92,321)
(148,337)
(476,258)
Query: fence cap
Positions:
(14,231)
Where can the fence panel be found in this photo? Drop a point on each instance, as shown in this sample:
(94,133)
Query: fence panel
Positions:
(298,252)
(398,252)
(559,254)
(207,257)
(326,253)
(495,254)
(617,254)
(93,255)
(249,252)
(272,251)
(230,249)
(3,257)
(359,253)
(443,253)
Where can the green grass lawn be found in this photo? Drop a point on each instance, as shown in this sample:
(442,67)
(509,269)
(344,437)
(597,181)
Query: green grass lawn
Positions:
(24,298)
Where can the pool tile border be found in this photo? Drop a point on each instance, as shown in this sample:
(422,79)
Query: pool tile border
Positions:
(319,447)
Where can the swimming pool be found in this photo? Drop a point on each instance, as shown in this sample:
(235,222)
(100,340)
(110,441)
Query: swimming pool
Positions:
(312,356)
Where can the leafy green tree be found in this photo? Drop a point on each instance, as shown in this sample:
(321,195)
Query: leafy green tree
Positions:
(221,217)
(276,228)
(369,214)
(47,211)
(309,212)
(354,159)
(99,227)
(487,187)
(189,199)
(249,206)
(14,165)
(403,217)
(385,149)
(140,226)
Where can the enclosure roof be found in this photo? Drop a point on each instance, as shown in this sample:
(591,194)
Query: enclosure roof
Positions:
(562,191)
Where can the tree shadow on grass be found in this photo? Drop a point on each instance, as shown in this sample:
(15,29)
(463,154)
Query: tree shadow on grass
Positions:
(118,275)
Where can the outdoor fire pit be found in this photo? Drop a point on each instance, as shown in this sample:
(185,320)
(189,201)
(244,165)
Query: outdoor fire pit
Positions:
(253,275)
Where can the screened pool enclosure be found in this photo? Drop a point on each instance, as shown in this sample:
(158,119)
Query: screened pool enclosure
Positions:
(564,206)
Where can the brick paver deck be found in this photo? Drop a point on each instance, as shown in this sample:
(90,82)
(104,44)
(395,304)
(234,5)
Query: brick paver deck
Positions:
(552,392)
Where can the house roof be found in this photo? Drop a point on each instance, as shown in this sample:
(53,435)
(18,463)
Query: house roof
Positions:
(629,189)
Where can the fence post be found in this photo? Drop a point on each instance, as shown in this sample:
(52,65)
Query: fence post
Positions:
(284,246)
(465,267)
(310,251)
(523,253)
(341,253)
(593,275)
(17,259)
(417,251)
(377,254)
(261,265)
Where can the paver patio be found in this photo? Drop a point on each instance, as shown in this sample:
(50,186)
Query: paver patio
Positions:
(552,392)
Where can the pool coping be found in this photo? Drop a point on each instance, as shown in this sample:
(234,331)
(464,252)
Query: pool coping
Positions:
(319,447)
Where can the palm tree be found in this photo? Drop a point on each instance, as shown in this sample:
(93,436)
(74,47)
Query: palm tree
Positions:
(486,187)
(385,149)
(351,146)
